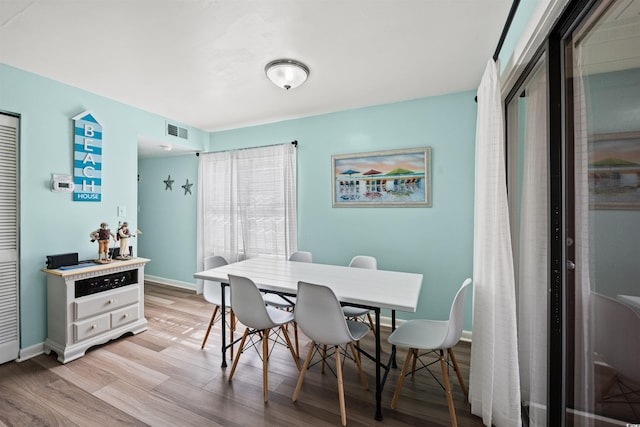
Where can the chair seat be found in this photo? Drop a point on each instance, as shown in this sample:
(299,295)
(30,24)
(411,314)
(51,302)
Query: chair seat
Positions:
(358,329)
(279,317)
(275,300)
(215,298)
(420,334)
(351,311)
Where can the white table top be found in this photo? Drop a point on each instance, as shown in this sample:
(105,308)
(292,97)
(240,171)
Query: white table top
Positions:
(375,288)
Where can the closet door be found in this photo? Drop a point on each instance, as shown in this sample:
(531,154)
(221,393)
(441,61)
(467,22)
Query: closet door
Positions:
(9,338)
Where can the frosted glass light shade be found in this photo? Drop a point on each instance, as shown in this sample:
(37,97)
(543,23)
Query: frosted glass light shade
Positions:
(286,73)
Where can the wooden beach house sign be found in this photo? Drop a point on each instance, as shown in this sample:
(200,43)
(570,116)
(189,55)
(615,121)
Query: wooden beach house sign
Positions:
(87,158)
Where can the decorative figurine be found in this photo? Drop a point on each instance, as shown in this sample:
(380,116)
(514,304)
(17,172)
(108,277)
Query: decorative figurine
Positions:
(123,236)
(102,235)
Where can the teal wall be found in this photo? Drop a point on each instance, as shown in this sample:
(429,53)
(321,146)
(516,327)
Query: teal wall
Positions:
(52,223)
(437,241)
(518,25)
(167,217)
(434,241)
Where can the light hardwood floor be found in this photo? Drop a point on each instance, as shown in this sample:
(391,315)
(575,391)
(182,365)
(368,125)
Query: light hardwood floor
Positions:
(161,377)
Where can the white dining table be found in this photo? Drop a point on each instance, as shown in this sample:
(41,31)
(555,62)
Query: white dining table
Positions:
(372,289)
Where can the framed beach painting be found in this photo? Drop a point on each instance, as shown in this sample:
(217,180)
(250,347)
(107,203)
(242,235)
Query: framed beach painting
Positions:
(395,178)
(614,171)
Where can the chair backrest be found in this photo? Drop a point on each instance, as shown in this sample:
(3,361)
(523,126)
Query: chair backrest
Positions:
(214,261)
(456,316)
(319,315)
(301,256)
(364,261)
(211,289)
(247,303)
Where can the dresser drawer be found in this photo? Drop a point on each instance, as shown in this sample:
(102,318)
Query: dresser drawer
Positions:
(91,327)
(124,315)
(103,302)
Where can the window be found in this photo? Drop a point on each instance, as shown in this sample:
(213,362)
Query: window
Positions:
(247,203)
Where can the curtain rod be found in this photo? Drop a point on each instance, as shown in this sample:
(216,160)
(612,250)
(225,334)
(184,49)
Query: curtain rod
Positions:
(505,31)
(294,143)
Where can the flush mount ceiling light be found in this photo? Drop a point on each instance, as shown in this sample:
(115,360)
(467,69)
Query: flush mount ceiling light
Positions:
(287,73)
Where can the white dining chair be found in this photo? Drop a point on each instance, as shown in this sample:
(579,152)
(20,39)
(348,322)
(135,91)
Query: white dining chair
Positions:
(433,337)
(260,322)
(211,292)
(616,346)
(358,313)
(287,303)
(319,315)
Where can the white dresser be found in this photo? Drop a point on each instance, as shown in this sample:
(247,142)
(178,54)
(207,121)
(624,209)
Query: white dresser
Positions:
(91,305)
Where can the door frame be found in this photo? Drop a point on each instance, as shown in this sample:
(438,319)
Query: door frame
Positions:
(10,350)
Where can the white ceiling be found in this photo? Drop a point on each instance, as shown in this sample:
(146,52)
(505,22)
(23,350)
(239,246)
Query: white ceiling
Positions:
(201,62)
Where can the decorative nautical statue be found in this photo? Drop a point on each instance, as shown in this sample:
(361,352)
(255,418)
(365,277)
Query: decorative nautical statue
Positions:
(102,235)
(123,236)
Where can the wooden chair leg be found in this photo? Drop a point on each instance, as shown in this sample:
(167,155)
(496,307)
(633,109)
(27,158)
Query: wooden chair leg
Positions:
(359,364)
(458,373)
(447,389)
(405,367)
(343,409)
(303,371)
(373,325)
(293,352)
(265,360)
(232,328)
(235,361)
(213,318)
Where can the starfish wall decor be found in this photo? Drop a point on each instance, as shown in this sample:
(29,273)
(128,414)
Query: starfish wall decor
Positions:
(187,187)
(168,183)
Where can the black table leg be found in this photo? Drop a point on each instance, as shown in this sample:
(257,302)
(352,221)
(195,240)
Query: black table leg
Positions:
(378,379)
(393,347)
(224,327)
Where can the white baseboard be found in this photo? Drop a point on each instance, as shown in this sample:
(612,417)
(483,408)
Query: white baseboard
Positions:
(170,282)
(31,351)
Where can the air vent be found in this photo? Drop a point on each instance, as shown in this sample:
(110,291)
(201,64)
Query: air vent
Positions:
(177,131)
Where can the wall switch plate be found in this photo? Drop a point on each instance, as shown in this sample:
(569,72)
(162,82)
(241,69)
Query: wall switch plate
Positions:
(122,211)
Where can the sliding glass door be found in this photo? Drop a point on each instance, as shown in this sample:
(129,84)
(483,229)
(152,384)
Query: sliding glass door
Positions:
(573,162)
(602,175)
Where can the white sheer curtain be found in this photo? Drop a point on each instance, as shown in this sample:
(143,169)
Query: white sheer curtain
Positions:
(583,364)
(247,203)
(494,385)
(533,251)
